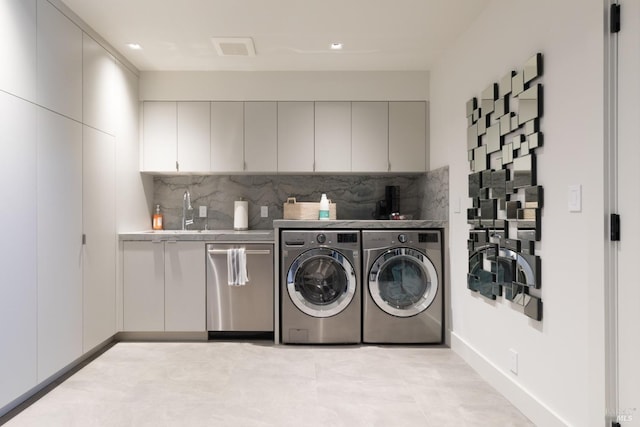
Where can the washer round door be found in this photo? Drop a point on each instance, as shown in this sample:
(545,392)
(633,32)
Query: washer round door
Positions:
(321,282)
(403,282)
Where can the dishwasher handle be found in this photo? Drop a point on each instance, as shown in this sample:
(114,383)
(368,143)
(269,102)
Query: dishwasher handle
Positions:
(248,251)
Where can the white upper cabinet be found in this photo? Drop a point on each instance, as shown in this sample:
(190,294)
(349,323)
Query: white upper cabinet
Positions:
(370,136)
(407,136)
(194,149)
(160,140)
(332,136)
(18,286)
(99,226)
(227,136)
(261,136)
(295,136)
(98,82)
(18,47)
(59,69)
(59,246)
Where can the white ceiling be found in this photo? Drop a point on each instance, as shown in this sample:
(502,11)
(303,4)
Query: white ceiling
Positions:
(288,34)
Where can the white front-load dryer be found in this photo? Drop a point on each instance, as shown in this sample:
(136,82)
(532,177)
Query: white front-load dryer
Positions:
(403,286)
(320,292)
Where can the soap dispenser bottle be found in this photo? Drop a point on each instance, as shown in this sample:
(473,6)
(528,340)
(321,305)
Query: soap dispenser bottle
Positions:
(157,219)
(324,208)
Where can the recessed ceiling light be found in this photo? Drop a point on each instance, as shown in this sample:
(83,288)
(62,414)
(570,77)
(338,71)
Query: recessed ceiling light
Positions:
(134,46)
(336,46)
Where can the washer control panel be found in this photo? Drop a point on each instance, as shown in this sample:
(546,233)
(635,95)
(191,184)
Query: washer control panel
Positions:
(402,238)
(321,238)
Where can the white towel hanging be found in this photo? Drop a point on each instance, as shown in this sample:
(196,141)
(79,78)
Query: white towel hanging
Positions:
(237,267)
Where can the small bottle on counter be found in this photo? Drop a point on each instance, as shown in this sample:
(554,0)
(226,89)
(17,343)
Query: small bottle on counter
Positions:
(157,219)
(324,208)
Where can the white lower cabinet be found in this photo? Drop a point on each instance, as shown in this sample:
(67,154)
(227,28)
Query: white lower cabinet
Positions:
(164,286)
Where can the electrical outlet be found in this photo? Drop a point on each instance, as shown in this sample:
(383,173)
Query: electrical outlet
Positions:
(264,211)
(513,361)
(203,212)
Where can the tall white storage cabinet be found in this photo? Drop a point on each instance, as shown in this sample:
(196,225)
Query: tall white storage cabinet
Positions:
(227,136)
(98,82)
(99,222)
(295,136)
(332,136)
(18,47)
(160,137)
(194,147)
(261,136)
(59,222)
(370,136)
(18,286)
(59,66)
(407,136)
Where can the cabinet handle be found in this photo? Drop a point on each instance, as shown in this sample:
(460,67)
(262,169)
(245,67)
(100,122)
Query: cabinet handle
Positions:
(84,239)
(389,167)
(177,166)
(248,251)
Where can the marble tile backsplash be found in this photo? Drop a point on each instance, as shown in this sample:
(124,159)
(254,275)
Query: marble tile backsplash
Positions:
(423,196)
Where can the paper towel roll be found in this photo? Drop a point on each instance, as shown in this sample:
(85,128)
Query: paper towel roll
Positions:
(240,215)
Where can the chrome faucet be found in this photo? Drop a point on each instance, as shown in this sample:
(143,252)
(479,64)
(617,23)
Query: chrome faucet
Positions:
(186,206)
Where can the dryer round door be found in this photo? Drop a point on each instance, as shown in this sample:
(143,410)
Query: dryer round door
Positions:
(321,282)
(403,282)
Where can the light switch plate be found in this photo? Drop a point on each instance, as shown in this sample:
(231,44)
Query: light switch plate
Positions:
(575,198)
(203,212)
(264,211)
(456,205)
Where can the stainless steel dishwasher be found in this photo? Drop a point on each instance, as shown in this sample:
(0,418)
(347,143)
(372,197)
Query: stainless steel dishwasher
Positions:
(240,311)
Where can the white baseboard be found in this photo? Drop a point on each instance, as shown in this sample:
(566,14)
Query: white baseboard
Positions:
(528,404)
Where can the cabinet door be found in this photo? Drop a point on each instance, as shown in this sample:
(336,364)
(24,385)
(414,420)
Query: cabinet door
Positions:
(227,137)
(59,242)
(99,256)
(194,126)
(261,136)
(295,136)
(18,46)
(160,137)
(143,270)
(407,136)
(370,136)
(18,286)
(333,137)
(98,82)
(185,286)
(59,69)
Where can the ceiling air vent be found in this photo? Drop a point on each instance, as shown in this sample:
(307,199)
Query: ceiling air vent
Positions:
(234,46)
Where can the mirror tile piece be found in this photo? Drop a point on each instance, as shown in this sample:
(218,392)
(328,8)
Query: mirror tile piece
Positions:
(530,104)
(534,264)
(507,154)
(482,125)
(472,214)
(488,97)
(514,122)
(488,209)
(524,171)
(528,214)
(533,197)
(512,244)
(531,126)
(505,124)
(472,104)
(510,189)
(516,141)
(533,308)
(517,84)
(501,107)
(487,223)
(470,121)
(480,158)
(476,115)
(494,138)
(535,140)
(533,68)
(470,155)
(524,149)
(475,180)
(472,137)
(505,84)
(512,209)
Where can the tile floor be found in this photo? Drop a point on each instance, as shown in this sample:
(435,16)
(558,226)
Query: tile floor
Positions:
(258,384)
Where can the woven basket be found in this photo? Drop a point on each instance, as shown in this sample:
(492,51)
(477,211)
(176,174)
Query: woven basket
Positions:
(305,210)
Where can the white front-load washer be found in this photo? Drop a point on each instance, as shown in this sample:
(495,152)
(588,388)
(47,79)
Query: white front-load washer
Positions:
(403,287)
(320,292)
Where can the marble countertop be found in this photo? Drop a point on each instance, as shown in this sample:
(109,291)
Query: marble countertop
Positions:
(202,235)
(364,224)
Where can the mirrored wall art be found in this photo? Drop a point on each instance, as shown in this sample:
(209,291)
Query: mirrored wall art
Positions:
(503,137)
